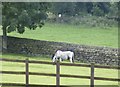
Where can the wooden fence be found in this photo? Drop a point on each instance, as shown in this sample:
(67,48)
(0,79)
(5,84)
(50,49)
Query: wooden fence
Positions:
(57,75)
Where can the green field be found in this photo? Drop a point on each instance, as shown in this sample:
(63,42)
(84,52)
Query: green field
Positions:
(73,34)
(63,33)
(46,80)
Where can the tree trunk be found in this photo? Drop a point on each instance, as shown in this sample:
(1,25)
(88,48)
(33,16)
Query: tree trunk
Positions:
(4,40)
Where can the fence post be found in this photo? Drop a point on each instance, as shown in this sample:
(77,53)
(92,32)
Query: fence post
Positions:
(92,75)
(57,74)
(27,72)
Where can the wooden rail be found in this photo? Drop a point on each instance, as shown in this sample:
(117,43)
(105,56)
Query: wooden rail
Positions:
(62,64)
(58,75)
(21,85)
(61,75)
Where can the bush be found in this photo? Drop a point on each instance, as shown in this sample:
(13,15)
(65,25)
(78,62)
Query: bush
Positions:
(83,20)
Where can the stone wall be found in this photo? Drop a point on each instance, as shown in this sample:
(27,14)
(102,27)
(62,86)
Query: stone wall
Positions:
(86,54)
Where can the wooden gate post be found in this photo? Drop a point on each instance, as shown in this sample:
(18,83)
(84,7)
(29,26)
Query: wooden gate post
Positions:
(57,74)
(27,72)
(92,75)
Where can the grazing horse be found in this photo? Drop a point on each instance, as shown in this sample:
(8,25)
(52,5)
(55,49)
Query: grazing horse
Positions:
(63,55)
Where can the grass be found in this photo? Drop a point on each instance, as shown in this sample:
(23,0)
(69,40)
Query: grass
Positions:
(47,80)
(62,33)
(73,34)
(1,32)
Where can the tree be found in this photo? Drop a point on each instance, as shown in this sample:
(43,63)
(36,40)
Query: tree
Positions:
(0,13)
(114,9)
(97,11)
(64,8)
(18,16)
(80,8)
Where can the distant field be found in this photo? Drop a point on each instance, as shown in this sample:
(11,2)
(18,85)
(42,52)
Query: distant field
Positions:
(47,80)
(73,34)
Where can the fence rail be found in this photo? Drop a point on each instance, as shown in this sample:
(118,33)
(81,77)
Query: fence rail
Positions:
(61,75)
(58,75)
(21,84)
(63,64)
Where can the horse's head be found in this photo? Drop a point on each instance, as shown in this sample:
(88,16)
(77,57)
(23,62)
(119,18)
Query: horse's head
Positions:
(54,58)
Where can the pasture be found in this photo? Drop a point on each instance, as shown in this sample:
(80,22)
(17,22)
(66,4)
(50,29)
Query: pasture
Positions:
(47,80)
(62,33)
(94,36)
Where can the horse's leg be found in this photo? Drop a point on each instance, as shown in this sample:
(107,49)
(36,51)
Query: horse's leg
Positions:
(73,57)
(60,59)
(71,60)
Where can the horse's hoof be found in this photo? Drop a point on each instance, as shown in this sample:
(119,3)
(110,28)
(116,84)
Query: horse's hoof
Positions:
(54,63)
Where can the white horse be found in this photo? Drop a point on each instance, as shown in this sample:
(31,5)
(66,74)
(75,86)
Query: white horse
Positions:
(63,55)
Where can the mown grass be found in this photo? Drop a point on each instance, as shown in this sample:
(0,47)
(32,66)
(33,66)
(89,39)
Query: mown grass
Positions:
(47,80)
(84,35)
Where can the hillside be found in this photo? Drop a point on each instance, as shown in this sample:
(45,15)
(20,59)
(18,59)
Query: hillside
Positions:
(73,34)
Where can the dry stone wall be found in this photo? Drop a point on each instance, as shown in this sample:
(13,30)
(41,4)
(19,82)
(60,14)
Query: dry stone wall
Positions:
(86,54)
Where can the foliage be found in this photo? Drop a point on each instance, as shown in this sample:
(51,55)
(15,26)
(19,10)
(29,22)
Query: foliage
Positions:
(76,8)
(17,16)
(64,8)
(93,14)
(0,13)
(97,11)
(86,20)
